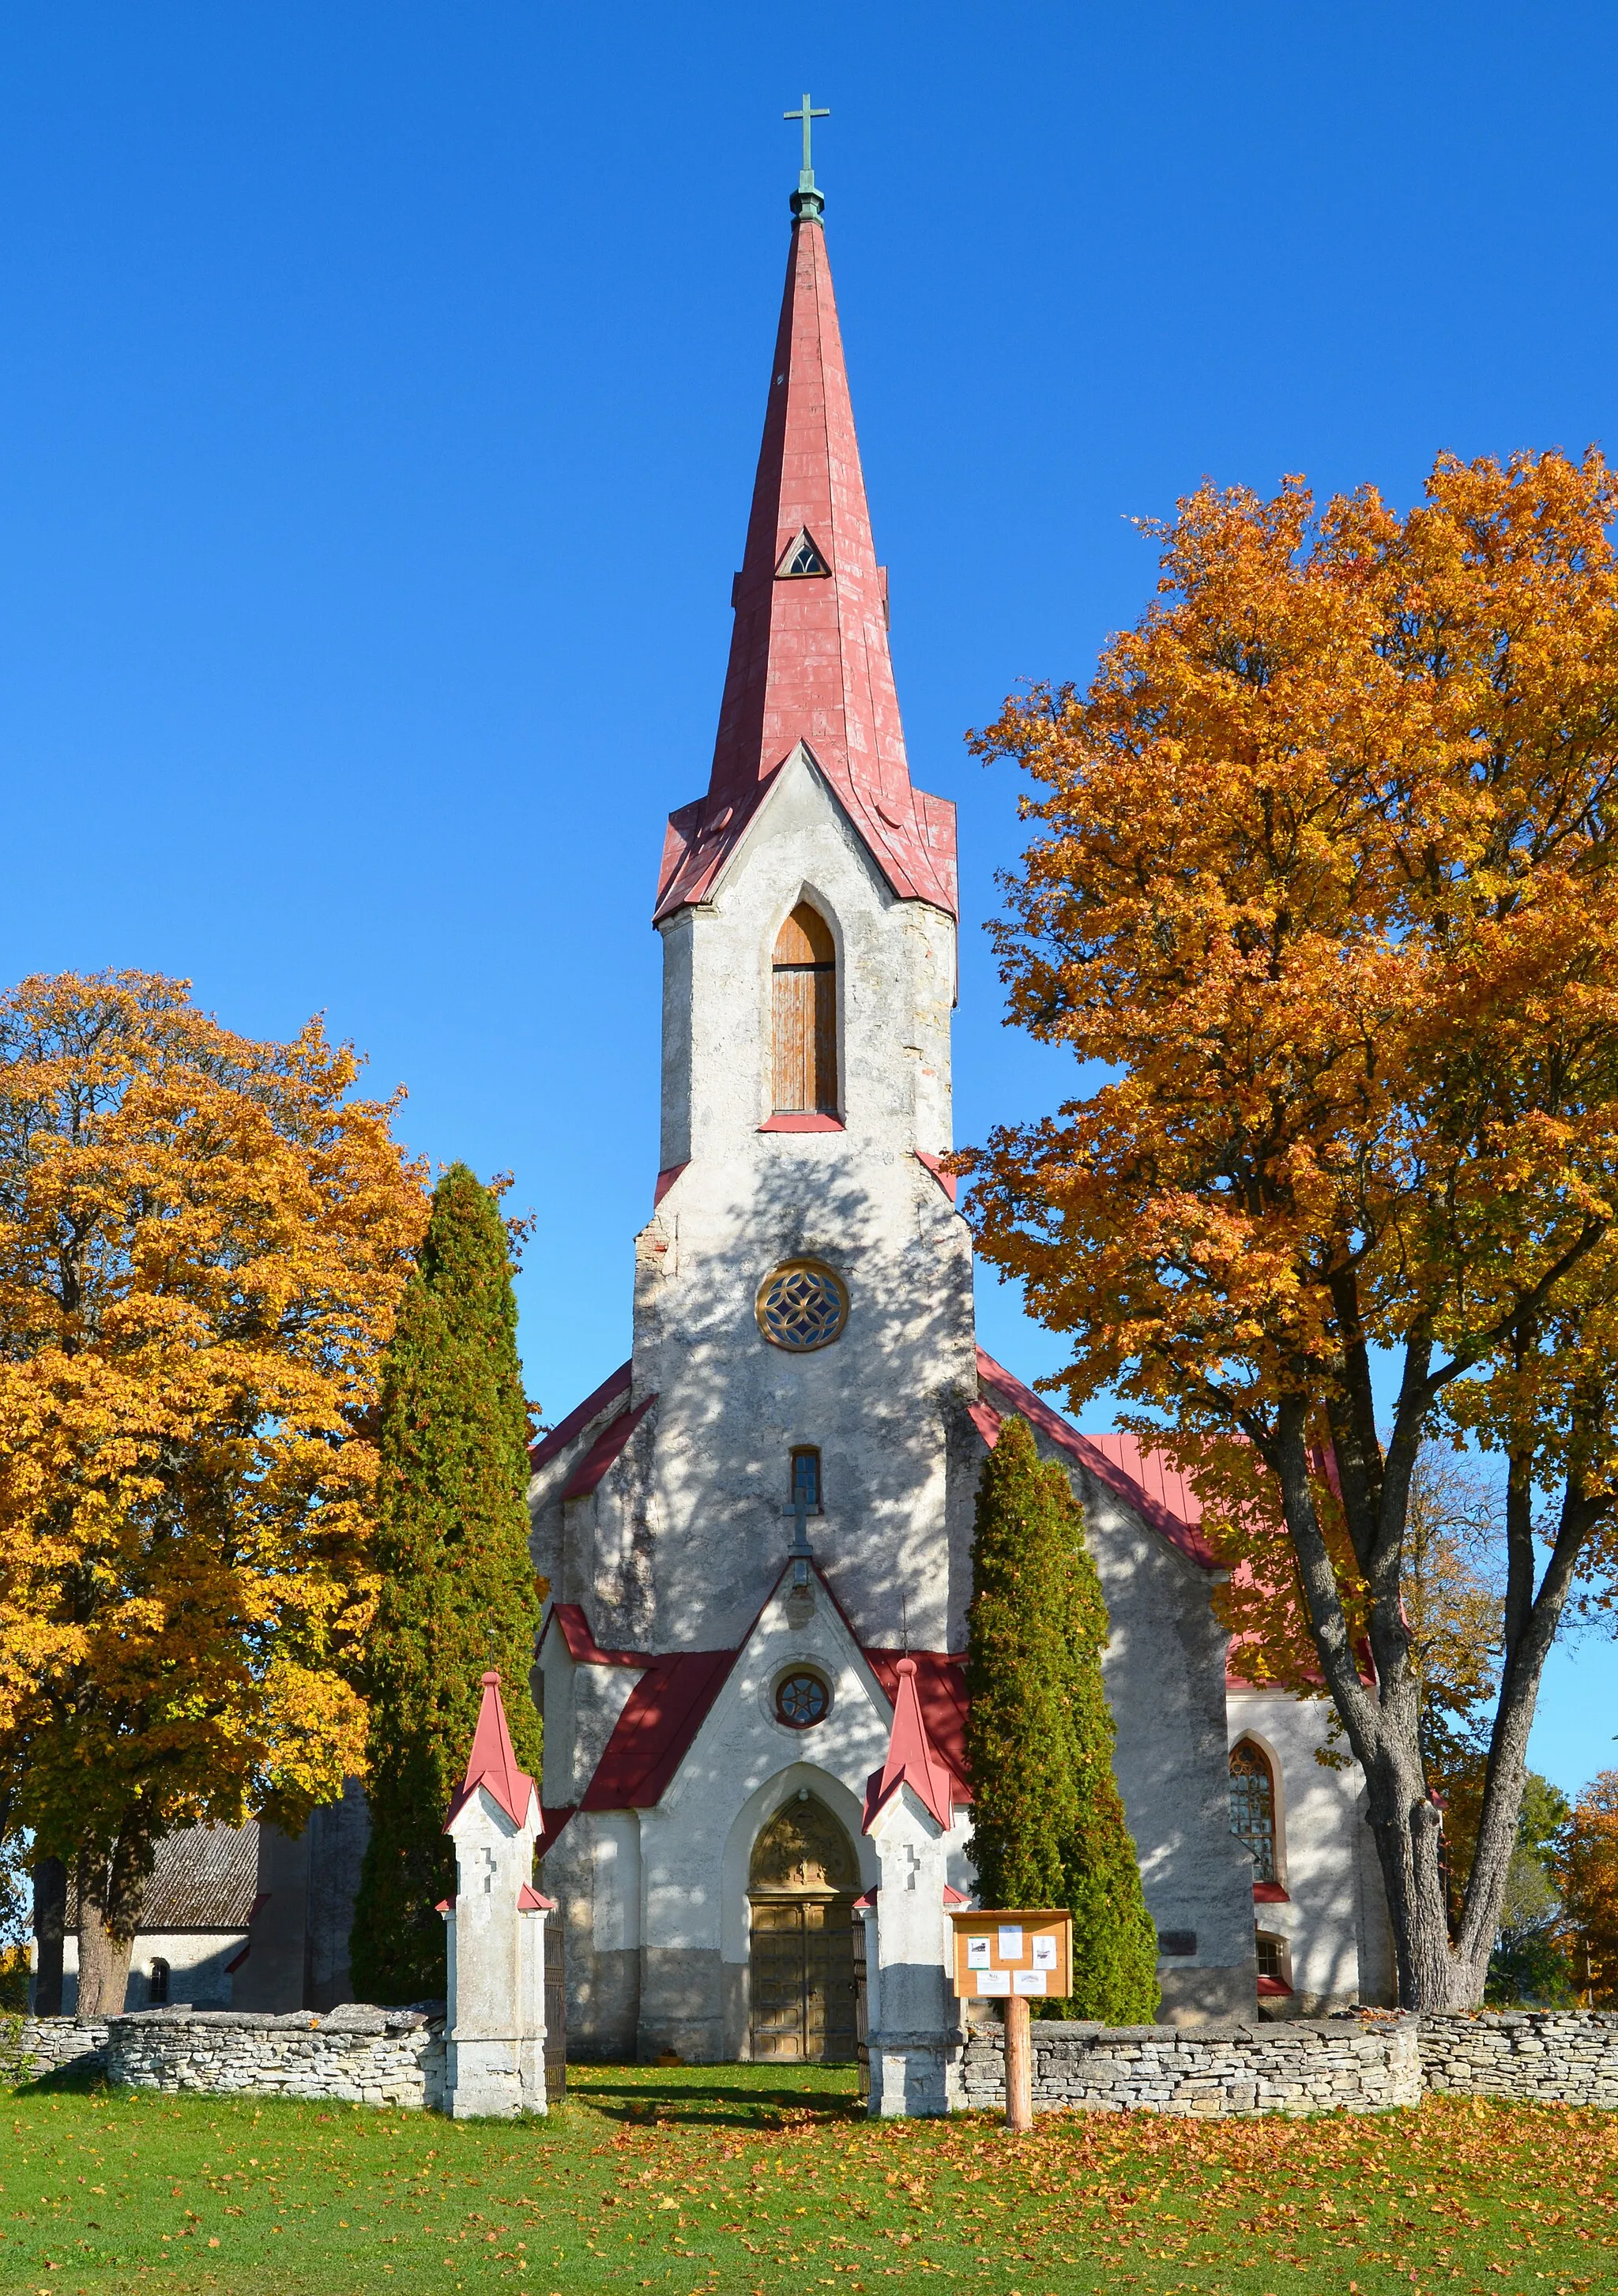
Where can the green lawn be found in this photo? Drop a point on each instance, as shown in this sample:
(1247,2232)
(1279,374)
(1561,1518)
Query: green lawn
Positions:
(739,2178)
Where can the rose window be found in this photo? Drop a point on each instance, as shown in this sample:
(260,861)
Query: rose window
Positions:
(803,1305)
(802,1701)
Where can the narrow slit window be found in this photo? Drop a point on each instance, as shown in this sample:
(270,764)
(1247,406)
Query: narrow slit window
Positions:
(801,557)
(157,1984)
(806,1478)
(804,983)
(1252,1806)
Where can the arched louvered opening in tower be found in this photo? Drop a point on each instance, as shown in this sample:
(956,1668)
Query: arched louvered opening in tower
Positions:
(804,1016)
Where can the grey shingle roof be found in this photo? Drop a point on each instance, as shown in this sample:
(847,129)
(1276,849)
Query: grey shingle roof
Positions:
(205,1877)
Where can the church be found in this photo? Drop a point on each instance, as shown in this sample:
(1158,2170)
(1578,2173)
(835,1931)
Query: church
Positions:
(749,1526)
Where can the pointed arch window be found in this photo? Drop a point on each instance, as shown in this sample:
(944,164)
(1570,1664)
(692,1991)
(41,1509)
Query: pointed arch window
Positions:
(804,1015)
(801,556)
(1252,1806)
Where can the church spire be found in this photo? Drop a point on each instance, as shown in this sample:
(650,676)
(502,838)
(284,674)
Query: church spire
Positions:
(809,652)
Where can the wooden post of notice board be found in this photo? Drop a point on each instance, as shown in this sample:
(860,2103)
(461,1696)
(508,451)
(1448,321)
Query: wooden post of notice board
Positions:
(1019,2067)
(1016,1957)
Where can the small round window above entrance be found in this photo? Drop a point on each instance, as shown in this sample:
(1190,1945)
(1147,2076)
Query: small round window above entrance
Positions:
(803,1305)
(802,1699)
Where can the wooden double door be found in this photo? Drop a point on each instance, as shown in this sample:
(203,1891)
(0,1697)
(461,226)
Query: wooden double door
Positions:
(802,1978)
(802,1962)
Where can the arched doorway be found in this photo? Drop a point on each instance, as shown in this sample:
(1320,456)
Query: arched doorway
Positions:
(801,1891)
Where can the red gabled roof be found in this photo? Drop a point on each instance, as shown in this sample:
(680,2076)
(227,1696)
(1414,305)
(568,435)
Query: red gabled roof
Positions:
(809,654)
(911,1760)
(583,1648)
(604,1450)
(552,1446)
(666,1708)
(1145,1480)
(493,1762)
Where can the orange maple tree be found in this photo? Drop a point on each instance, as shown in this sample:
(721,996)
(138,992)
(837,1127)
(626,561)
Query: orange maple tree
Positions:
(1326,882)
(202,1241)
(1588,1872)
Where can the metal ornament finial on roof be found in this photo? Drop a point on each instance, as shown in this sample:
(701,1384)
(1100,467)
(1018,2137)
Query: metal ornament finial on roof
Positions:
(806,201)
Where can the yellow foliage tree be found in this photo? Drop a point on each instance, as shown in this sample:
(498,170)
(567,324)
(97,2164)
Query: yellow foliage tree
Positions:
(1328,883)
(202,1241)
(1589,1876)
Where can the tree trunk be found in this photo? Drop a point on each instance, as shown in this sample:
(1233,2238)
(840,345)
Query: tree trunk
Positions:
(109,1915)
(1405,1827)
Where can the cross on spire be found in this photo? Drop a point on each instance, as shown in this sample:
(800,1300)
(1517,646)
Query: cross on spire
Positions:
(806,111)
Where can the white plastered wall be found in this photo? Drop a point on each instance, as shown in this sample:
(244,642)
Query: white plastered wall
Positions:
(1335,1916)
(198,1975)
(687,1527)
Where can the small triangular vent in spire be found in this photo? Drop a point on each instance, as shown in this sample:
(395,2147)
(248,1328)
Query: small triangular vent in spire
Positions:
(801,556)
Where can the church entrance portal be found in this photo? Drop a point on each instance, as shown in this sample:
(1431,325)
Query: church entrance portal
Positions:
(800,1890)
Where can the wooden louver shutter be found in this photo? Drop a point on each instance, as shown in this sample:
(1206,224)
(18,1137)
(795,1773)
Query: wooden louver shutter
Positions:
(804,1021)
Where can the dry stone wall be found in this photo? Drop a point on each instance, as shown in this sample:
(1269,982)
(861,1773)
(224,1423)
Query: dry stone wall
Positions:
(32,2046)
(1208,2072)
(355,2056)
(1548,2056)
(359,2056)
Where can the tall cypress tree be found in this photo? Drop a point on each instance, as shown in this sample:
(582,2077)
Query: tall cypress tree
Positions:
(457,1583)
(1048,1825)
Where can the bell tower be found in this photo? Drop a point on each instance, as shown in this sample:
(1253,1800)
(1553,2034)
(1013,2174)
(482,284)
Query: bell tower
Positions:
(803,1288)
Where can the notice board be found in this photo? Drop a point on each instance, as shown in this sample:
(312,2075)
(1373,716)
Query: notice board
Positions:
(1001,1952)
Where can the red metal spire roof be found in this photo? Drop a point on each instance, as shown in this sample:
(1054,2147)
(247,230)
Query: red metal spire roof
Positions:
(911,1760)
(809,655)
(493,1762)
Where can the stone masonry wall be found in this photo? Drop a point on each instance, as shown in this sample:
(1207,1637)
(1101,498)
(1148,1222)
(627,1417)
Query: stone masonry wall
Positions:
(1552,2056)
(1212,2072)
(32,2046)
(355,2056)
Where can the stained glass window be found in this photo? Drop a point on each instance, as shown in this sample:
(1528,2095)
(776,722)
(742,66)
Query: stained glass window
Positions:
(803,1305)
(1252,1806)
(802,1701)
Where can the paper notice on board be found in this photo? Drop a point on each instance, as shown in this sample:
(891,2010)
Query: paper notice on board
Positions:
(1027,1980)
(1011,1940)
(1045,1953)
(994,1980)
(977,1953)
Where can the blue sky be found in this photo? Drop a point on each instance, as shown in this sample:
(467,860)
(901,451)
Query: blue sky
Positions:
(381,386)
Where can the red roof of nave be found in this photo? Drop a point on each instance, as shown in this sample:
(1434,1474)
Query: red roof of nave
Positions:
(809,654)
(1145,1480)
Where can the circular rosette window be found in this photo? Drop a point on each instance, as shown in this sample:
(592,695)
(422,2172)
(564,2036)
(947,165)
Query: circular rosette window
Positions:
(801,1700)
(803,1305)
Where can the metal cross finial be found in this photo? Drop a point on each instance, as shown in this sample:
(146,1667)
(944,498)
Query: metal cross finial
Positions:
(806,111)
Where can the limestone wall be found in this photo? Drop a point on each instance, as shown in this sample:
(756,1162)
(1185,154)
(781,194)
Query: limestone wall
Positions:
(1553,2057)
(32,2046)
(356,2056)
(1210,2073)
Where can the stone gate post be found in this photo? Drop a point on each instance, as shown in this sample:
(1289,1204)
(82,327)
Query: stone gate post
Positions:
(495,1932)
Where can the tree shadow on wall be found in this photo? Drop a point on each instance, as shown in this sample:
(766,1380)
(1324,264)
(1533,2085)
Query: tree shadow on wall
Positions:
(886,1402)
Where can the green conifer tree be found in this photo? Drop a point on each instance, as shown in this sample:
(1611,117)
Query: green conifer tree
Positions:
(457,1591)
(1048,1825)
